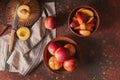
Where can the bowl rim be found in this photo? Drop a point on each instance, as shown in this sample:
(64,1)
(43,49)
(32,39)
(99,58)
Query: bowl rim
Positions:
(88,7)
(60,38)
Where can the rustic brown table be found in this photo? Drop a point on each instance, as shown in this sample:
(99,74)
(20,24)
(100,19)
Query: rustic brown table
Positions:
(100,53)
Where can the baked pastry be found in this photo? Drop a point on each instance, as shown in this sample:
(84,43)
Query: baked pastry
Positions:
(23,11)
(23,33)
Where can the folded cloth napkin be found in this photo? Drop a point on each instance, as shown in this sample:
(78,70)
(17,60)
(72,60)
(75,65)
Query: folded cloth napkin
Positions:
(27,54)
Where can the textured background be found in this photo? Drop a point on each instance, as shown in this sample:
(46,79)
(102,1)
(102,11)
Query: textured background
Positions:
(99,57)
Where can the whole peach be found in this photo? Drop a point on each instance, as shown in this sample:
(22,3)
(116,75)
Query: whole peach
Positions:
(50,22)
(52,47)
(71,48)
(62,54)
(54,64)
(69,65)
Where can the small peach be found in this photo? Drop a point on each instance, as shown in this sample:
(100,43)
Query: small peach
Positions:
(79,17)
(62,54)
(52,47)
(54,64)
(71,48)
(50,23)
(69,65)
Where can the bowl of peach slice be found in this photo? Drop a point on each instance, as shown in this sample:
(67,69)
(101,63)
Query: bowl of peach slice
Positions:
(83,21)
(60,55)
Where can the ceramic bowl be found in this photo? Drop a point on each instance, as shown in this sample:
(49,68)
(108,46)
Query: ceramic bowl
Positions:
(47,55)
(83,21)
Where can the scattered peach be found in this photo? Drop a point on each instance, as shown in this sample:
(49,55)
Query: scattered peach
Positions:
(50,23)
(71,48)
(62,54)
(54,64)
(69,65)
(52,47)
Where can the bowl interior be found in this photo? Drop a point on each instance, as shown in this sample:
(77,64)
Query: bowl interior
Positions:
(47,55)
(72,14)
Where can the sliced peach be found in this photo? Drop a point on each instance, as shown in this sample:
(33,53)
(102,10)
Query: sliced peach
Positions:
(87,11)
(82,26)
(77,28)
(79,10)
(74,24)
(84,32)
(90,26)
(90,20)
(74,18)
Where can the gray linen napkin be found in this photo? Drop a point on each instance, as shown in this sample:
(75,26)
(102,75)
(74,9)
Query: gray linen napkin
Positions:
(27,54)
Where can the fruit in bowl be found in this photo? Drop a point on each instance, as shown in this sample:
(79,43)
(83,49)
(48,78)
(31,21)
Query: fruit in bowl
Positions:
(83,21)
(52,47)
(62,54)
(62,59)
(54,64)
(69,65)
(71,48)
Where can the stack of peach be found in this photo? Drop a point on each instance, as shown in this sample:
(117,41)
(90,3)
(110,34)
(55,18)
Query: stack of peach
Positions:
(62,56)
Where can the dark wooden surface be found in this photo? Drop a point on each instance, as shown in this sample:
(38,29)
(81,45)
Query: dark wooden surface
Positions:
(100,59)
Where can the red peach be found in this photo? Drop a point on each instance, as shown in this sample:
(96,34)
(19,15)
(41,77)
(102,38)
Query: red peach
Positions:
(62,54)
(69,65)
(71,48)
(52,47)
(50,22)
(90,26)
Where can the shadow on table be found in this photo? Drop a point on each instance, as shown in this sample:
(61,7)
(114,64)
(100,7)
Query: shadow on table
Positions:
(89,56)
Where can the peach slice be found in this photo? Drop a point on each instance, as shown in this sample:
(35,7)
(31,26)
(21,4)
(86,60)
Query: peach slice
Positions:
(90,26)
(52,47)
(84,32)
(82,26)
(23,11)
(79,17)
(54,64)
(87,11)
(74,24)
